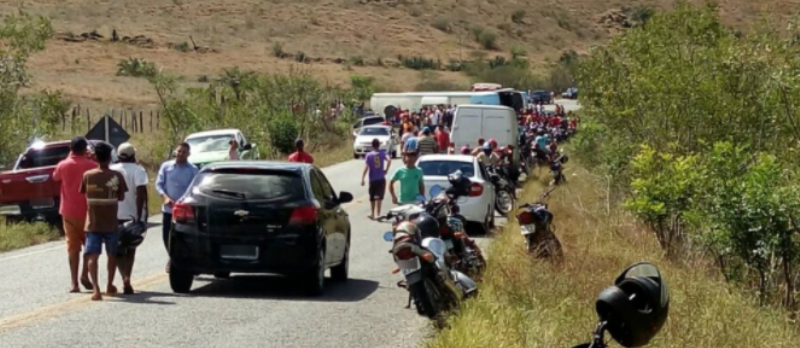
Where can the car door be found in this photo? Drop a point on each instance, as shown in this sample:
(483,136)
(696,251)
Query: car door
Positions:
(326,215)
(340,217)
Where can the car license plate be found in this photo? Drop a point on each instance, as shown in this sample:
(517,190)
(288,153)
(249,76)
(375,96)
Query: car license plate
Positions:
(528,229)
(239,252)
(413,276)
(42,203)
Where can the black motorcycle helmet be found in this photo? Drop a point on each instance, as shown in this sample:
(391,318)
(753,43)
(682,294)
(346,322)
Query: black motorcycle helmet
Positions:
(636,307)
(131,234)
(427,225)
(460,185)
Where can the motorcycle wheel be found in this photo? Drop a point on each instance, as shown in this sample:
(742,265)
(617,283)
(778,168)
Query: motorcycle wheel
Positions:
(426,296)
(504,203)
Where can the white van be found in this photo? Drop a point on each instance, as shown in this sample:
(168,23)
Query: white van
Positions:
(474,121)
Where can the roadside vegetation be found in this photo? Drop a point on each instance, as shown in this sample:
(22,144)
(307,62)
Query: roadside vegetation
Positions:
(686,156)
(526,302)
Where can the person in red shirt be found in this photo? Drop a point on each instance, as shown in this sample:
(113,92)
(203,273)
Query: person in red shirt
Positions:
(73,207)
(443,138)
(555,122)
(300,155)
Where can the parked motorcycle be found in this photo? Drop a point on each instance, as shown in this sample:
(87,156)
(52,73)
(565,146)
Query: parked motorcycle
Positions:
(535,222)
(633,310)
(505,196)
(420,255)
(466,255)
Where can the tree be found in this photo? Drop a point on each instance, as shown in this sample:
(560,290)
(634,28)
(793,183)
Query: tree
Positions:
(24,117)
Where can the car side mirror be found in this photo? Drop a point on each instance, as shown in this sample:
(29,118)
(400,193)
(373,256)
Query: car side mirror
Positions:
(345,197)
(247,147)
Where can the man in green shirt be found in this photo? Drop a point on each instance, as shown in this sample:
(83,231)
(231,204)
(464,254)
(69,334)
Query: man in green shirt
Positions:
(410,178)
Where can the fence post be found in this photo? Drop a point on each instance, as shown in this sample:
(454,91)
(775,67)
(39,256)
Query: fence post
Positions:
(158,119)
(141,124)
(88,120)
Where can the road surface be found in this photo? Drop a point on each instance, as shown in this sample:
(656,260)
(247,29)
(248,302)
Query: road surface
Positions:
(245,311)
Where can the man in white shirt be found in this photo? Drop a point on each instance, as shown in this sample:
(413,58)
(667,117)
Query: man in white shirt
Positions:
(132,207)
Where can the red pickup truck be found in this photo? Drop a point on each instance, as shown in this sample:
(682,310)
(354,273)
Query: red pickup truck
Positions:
(28,191)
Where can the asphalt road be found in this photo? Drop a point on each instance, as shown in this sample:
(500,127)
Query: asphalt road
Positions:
(245,311)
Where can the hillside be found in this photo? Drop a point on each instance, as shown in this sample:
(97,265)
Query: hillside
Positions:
(337,38)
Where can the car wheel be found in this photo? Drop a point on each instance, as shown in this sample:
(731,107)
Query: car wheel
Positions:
(355,155)
(341,272)
(315,279)
(394,154)
(180,280)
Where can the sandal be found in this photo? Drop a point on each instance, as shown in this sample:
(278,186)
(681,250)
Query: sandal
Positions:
(111,290)
(74,290)
(97,297)
(87,284)
(127,290)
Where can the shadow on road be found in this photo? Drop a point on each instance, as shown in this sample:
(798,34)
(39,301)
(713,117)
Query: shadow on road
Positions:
(147,297)
(285,288)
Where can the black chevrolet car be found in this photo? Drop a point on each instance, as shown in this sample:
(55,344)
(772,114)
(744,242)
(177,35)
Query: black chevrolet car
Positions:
(260,217)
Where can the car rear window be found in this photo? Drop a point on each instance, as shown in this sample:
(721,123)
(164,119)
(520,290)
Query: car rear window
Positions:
(251,185)
(372,120)
(374,131)
(444,168)
(44,157)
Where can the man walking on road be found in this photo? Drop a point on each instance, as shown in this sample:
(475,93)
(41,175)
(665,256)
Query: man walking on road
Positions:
(300,155)
(375,160)
(172,182)
(73,207)
(104,189)
(133,207)
(410,178)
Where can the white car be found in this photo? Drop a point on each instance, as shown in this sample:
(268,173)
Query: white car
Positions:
(363,143)
(478,207)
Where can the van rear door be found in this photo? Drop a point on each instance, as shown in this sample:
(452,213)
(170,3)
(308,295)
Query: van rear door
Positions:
(497,124)
(466,126)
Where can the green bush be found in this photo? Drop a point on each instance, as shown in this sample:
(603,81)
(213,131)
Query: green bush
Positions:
(136,67)
(283,131)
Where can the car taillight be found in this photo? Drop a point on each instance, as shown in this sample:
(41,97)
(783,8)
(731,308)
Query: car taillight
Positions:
(475,190)
(525,218)
(404,253)
(304,215)
(182,213)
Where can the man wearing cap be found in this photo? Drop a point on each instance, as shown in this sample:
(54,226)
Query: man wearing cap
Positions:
(132,207)
(300,155)
(427,144)
(73,207)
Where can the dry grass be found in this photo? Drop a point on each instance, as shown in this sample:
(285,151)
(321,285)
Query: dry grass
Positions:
(528,303)
(245,32)
(25,234)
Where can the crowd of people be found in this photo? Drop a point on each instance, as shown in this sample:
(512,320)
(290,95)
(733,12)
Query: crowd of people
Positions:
(97,195)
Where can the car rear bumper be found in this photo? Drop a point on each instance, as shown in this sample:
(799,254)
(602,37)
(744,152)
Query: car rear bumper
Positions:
(475,209)
(201,253)
(26,211)
(363,150)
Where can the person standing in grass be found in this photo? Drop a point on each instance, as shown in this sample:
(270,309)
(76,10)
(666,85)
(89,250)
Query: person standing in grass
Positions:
(375,160)
(104,189)
(69,173)
(133,207)
(410,178)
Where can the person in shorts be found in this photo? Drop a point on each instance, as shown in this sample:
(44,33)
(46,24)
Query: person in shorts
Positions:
(104,189)
(69,173)
(411,181)
(375,161)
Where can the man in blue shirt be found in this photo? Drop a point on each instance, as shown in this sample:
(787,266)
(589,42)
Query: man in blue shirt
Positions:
(174,178)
